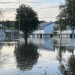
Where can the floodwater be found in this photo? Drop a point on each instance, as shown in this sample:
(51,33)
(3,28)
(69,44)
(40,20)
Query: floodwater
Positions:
(39,57)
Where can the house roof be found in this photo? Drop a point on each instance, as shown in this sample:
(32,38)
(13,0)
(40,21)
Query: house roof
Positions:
(42,25)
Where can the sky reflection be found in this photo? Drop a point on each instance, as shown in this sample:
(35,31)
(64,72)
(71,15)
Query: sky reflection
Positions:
(44,56)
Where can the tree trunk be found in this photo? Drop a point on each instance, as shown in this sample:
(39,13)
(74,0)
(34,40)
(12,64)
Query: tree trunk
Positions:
(25,37)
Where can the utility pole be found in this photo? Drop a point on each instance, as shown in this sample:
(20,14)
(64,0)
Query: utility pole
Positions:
(19,21)
(19,32)
(60,26)
(60,21)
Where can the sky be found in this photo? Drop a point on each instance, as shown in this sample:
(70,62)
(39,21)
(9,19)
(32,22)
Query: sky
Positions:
(46,9)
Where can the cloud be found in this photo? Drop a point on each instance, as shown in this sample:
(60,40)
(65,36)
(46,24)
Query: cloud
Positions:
(17,1)
(47,11)
(7,2)
(48,6)
(27,1)
(9,9)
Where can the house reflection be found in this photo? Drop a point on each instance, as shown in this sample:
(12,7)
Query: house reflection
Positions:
(60,51)
(44,43)
(26,56)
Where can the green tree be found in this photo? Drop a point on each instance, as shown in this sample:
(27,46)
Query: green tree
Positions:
(27,18)
(67,13)
(71,14)
(61,18)
(7,24)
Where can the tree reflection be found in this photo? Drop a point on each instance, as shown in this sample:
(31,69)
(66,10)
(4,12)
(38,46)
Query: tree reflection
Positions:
(61,50)
(26,56)
(67,67)
(71,65)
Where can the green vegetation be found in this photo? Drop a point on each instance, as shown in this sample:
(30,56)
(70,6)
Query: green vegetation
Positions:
(67,15)
(61,18)
(27,18)
(7,24)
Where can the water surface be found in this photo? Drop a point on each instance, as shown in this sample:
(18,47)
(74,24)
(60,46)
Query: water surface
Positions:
(39,57)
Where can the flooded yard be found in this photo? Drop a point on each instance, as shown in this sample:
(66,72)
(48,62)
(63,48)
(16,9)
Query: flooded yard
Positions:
(39,57)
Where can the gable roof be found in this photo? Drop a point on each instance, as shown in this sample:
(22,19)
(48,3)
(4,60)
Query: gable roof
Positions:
(42,25)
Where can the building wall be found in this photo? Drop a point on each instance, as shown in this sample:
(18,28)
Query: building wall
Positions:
(49,28)
(38,32)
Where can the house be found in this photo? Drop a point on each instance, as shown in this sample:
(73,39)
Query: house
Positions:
(11,34)
(66,33)
(44,30)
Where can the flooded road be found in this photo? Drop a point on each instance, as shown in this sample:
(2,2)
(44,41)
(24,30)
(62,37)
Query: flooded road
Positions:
(38,57)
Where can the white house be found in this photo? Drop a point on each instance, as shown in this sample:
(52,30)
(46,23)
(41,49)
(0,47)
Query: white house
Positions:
(66,33)
(48,29)
(45,28)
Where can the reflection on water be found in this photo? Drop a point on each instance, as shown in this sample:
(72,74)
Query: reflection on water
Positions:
(26,56)
(43,43)
(60,50)
(41,57)
(67,66)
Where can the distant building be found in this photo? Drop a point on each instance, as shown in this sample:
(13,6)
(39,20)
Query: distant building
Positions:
(67,33)
(2,34)
(49,28)
(45,28)
(0,25)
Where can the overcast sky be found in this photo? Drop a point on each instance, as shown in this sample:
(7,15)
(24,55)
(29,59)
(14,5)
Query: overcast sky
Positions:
(47,9)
